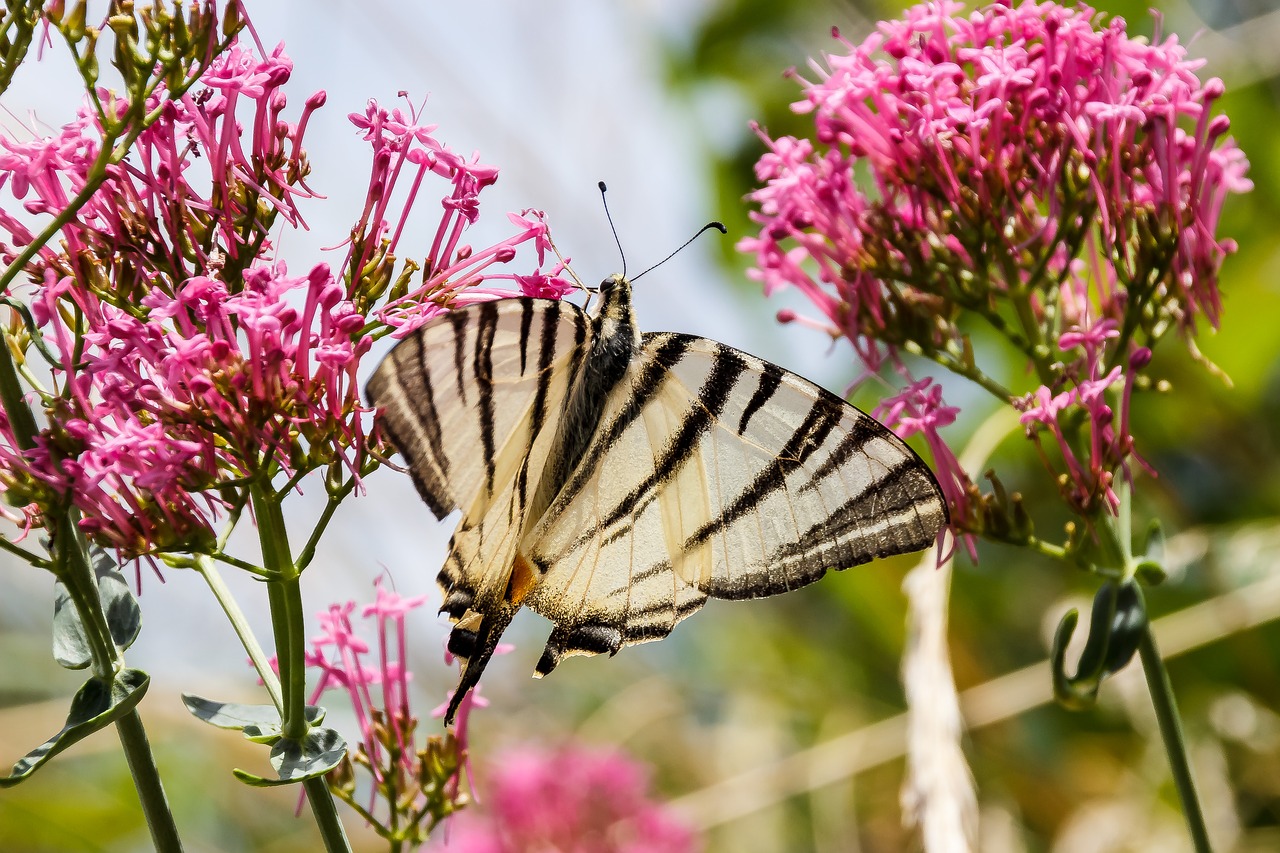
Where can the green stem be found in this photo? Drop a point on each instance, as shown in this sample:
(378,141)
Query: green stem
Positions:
(1166,708)
(22,421)
(1031,328)
(326,814)
(309,550)
(146,779)
(285,598)
(287,610)
(209,571)
(284,594)
(26,556)
(75,570)
(242,565)
(960,368)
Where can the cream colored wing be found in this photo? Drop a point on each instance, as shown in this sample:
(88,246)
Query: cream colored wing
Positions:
(715,473)
(471,400)
(461,396)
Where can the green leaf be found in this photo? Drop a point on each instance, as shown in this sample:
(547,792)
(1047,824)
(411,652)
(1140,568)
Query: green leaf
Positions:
(70,645)
(1127,627)
(95,706)
(1117,624)
(296,761)
(263,734)
(1073,694)
(124,616)
(1150,574)
(233,715)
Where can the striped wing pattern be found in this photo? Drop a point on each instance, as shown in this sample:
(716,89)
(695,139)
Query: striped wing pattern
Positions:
(468,400)
(717,474)
(612,482)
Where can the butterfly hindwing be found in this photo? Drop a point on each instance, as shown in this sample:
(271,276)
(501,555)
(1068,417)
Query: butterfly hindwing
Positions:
(717,474)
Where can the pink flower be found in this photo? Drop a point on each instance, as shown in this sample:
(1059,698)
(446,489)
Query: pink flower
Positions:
(571,798)
(1109,447)
(388,729)
(919,408)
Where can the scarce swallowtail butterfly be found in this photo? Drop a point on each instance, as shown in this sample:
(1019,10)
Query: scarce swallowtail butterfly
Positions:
(612,481)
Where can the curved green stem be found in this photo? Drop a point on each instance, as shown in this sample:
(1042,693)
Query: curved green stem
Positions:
(209,571)
(1166,707)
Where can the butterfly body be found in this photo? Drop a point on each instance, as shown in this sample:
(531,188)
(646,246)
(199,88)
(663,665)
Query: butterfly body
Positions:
(612,481)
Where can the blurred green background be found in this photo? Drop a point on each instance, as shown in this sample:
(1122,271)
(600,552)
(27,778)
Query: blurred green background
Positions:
(784,691)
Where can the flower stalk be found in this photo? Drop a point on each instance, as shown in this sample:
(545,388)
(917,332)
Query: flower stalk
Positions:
(1175,744)
(284,594)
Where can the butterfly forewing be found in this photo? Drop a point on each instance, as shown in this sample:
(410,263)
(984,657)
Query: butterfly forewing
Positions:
(734,479)
(463,396)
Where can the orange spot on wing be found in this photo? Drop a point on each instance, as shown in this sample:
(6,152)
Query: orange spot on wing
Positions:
(523,579)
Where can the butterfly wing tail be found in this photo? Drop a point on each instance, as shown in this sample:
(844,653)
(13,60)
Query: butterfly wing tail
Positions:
(476,648)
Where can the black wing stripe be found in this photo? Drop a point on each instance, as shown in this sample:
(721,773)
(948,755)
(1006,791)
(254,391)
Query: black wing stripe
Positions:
(822,418)
(402,419)
(526,323)
(770,379)
(431,422)
(487,328)
(892,503)
(651,377)
(865,428)
(428,485)
(458,320)
(712,397)
(546,357)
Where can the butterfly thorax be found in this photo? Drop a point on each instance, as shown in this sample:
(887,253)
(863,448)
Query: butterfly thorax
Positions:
(613,344)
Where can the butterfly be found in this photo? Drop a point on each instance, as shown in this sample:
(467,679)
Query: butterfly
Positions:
(613,481)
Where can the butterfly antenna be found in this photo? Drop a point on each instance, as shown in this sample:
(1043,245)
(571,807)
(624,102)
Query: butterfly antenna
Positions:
(564,265)
(605,201)
(719,226)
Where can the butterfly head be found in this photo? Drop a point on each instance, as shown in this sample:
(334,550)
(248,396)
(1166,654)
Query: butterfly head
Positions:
(613,317)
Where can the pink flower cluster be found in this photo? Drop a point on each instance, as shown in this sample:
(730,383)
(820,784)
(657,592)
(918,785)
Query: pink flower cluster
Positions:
(454,270)
(1018,169)
(1110,444)
(184,391)
(186,361)
(339,654)
(572,799)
